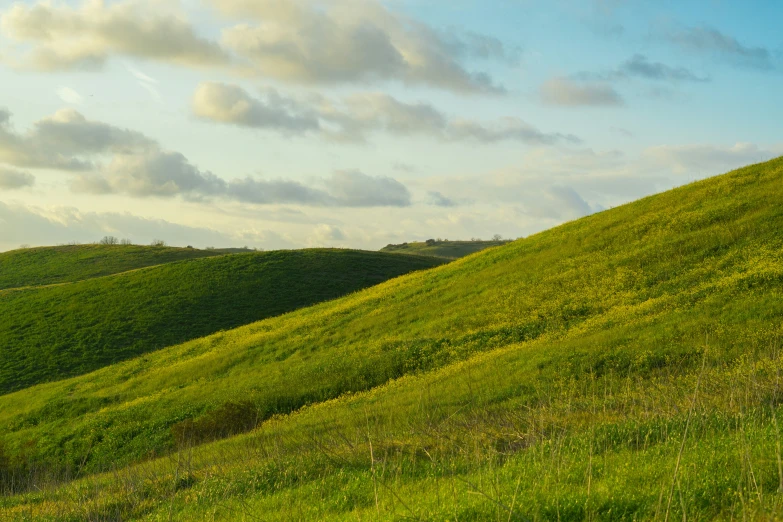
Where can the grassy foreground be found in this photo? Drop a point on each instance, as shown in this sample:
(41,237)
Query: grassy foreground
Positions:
(53,332)
(623,366)
(447,249)
(63,264)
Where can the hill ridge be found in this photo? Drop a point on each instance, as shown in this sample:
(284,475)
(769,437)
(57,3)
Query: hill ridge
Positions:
(50,332)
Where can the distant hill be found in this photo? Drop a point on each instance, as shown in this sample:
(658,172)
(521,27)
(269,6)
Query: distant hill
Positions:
(446,249)
(59,331)
(623,366)
(50,265)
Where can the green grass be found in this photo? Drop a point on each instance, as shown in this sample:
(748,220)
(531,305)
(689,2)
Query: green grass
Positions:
(445,248)
(62,264)
(623,366)
(53,332)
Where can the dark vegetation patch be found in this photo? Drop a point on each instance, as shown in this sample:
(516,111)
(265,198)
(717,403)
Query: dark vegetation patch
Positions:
(60,331)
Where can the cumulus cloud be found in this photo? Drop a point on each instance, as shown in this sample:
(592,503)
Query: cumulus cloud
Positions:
(169,174)
(355,117)
(11,179)
(65,141)
(156,173)
(571,93)
(264,192)
(352,188)
(308,41)
(138,166)
(710,41)
(61,37)
(231,104)
(343,189)
(325,234)
(639,66)
(343,41)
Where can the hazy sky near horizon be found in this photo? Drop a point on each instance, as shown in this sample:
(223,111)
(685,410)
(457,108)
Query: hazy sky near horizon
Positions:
(357,123)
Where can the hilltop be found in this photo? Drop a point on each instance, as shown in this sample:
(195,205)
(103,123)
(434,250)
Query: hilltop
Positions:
(53,332)
(62,264)
(622,366)
(444,248)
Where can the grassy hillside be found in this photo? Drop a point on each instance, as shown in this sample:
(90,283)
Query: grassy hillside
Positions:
(50,265)
(49,333)
(447,249)
(623,366)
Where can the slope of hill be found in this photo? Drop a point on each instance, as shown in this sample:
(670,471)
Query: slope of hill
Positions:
(54,332)
(51,265)
(447,249)
(622,366)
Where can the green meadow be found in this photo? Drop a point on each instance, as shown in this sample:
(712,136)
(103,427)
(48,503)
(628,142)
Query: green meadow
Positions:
(70,263)
(624,366)
(56,331)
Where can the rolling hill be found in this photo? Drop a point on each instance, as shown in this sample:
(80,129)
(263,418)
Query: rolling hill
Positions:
(65,264)
(443,248)
(623,366)
(53,332)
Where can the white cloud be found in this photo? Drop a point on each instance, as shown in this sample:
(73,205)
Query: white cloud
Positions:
(355,117)
(11,179)
(307,41)
(231,104)
(70,96)
(66,140)
(343,41)
(326,235)
(62,37)
(155,173)
(570,93)
(352,188)
(140,167)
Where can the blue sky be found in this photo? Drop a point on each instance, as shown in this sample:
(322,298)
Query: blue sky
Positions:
(286,124)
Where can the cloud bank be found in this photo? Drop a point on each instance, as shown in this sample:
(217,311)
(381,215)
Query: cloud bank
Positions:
(65,141)
(61,37)
(138,166)
(355,117)
(304,42)
(343,41)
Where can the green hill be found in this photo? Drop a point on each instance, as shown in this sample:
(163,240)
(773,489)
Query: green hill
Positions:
(53,332)
(51,265)
(443,248)
(623,366)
